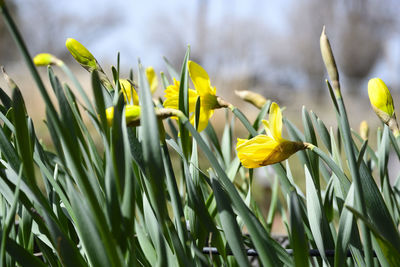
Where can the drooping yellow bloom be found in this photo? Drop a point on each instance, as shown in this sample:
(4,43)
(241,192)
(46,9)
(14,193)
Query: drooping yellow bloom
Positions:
(267,149)
(129,91)
(203,90)
(44,59)
(132,114)
(152,78)
(81,54)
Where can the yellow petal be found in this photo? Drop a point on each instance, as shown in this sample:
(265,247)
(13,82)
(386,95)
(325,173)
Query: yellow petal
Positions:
(263,150)
(200,79)
(129,91)
(267,128)
(205,115)
(152,78)
(275,121)
(172,97)
(252,153)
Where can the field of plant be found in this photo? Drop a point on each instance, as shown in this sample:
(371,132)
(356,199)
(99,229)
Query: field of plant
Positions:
(133,180)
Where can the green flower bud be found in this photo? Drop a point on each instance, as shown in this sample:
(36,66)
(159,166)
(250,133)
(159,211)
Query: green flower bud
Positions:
(329,60)
(81,54)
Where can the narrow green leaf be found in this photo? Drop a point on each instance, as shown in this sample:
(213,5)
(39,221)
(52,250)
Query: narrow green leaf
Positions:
(229,224)
(184,104)
(310,137)
(390,252)
(298,238)
(86,228)
(5,99)
(322,131)
(317,218)
(172,72)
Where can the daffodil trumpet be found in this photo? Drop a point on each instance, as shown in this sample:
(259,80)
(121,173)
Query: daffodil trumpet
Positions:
(270,148)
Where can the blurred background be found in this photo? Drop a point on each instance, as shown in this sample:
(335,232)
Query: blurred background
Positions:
(271,47)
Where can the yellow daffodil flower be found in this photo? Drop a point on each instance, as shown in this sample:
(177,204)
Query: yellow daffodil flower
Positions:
(152,78)
(203,90)
(267,149)
(132,114)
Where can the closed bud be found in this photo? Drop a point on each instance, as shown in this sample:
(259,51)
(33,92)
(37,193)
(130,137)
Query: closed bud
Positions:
(252,97)
(382,103)
(81,54)
(132,115)
(329,60)
(364,130)
(45,59)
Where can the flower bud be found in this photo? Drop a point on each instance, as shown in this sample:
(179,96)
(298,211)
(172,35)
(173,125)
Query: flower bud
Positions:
(364,130)
(382,103)
(252,97)
(81,54)
(44,59)
(132,114)
(329,60)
